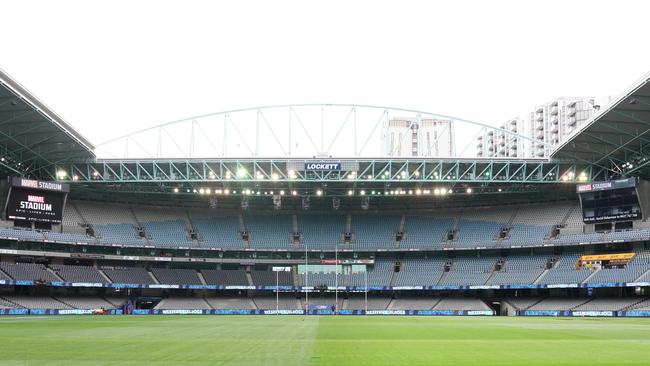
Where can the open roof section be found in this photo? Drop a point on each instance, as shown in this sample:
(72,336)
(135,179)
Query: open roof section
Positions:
(32,135)
(618,136)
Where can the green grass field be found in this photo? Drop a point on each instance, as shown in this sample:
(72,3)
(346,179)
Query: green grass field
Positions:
(328,340)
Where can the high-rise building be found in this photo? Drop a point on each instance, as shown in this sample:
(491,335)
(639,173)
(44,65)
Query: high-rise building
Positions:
(501,143)
(552,122)
(546,125)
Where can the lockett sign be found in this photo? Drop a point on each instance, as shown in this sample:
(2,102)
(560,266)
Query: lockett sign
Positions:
(320,166)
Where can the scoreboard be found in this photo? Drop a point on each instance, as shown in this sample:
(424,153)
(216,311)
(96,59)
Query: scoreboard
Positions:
(611,201)
(34,200)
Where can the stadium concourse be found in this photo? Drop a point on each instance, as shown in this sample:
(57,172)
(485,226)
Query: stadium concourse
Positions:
(566,234)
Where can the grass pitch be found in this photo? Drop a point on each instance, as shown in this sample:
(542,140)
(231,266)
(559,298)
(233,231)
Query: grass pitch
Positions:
(342,340)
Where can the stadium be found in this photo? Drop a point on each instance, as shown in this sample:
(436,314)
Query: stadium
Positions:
(329,227)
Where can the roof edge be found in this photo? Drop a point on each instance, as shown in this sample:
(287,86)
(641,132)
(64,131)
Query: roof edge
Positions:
(41,107)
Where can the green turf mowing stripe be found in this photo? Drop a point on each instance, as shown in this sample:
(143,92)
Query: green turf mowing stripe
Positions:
(325,340)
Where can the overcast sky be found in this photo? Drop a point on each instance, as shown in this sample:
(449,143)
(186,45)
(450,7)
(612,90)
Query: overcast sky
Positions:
(116,66)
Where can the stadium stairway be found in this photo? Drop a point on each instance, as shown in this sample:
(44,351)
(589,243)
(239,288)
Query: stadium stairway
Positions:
(530,305)
(539,278)
(646,273)
(591,275)
(577,306)
(108,280)
(16,305)
(54,274)
(155,280)
(4,274)
(63,302)
(632,306)
(201,278)
(393,278)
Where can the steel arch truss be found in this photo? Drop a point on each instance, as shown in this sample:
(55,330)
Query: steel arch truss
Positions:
(355,171)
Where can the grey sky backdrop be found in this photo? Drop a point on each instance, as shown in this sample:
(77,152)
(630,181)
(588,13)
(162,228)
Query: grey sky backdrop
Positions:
(115,66)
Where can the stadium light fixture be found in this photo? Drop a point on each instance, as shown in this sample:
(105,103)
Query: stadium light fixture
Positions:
(363,193)
(218,191)
(226,192)
(271,193)
(350,192)
(319,192)
(410,191)
(281,193)
(75,177)
(208,191)
(292,174)
(175,190)
(95,173)
(61,174)
(418,192)
(241,173)
(416,173)
(234,192)
(228,175)
(499,189)
(468,190)
(369,176)
(583,177)
(294,193)
(436,191)
(275,176)
(201,191)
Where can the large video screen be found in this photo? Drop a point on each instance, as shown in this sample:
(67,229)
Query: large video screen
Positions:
(32,200)
(610,205)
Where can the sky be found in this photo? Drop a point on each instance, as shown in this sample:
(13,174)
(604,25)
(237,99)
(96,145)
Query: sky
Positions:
(111,67)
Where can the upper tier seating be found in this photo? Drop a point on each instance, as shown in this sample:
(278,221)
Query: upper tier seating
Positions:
(321,232)
(375,231)
(269,231)
(425,232)
(217,231)
(115,223)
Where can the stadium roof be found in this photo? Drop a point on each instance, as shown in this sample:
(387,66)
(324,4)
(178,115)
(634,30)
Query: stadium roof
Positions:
(31,134)
(618,136)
